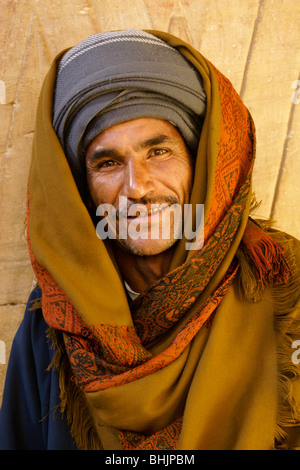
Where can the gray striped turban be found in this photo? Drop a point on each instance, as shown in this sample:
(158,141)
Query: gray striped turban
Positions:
(110,78)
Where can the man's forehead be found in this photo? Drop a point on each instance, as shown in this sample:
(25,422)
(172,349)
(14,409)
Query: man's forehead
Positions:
(140,133)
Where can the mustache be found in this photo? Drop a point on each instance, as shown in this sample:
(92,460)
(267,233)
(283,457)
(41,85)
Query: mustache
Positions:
(123,209)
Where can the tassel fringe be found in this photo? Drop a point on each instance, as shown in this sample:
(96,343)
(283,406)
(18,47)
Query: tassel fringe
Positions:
(72,400)
(262,263)
(286,301)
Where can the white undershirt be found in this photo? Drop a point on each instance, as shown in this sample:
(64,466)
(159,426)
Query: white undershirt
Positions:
(133,295)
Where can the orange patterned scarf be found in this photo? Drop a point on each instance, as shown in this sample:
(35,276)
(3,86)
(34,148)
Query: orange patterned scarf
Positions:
(117,353)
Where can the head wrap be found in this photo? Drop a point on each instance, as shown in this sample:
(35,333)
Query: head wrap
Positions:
(114,77)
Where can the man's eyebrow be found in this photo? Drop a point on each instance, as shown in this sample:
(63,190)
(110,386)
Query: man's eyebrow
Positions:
(99,154)
(159,139)
(112,153)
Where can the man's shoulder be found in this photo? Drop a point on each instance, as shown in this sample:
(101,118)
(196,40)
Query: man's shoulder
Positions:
(32,332)
(33,316)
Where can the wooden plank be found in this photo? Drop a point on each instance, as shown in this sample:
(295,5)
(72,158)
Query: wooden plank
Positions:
(18,122)
(272,68)
(221,30)
(18,21)
(128,14)
(64,24)
(285,206)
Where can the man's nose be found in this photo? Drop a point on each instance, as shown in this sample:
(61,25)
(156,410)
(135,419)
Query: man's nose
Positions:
(137,180)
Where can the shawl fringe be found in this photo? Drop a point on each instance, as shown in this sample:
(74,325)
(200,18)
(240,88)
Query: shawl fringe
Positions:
(287,329)
(262,264)
(73,403)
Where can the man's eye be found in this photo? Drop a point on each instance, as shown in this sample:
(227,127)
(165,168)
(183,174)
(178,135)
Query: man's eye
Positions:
(156,152)
(106,164)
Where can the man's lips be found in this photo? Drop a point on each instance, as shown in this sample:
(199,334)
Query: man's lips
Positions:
(144,212)
(134,220)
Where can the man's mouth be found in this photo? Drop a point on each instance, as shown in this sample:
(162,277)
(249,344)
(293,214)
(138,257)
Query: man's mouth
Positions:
(144,212)
(162,218)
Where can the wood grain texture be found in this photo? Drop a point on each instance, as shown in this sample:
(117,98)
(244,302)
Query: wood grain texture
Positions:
(255,43)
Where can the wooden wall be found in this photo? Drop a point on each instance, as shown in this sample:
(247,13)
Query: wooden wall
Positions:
(255,43)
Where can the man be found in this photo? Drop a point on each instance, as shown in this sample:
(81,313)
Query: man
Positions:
(154,342)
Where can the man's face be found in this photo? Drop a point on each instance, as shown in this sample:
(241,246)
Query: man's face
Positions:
(146,161)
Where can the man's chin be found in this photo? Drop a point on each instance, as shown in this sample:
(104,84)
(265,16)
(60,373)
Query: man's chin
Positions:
(145,247)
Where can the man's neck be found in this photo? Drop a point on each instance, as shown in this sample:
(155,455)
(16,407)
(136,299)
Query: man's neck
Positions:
(141,272)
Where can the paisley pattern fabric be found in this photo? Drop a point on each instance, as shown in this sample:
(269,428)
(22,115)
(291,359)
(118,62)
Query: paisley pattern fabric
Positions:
(166,438)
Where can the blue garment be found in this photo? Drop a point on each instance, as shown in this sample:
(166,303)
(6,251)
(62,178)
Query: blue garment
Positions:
(29,417)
